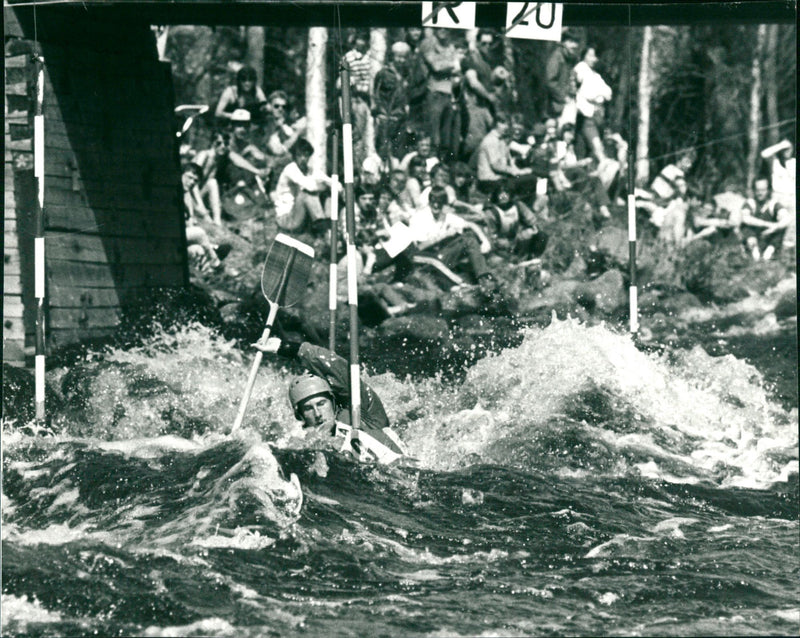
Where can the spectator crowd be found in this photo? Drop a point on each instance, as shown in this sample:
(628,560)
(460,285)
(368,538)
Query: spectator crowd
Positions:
(450,177)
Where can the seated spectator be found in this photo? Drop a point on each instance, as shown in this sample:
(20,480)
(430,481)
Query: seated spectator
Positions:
(396,185)
(783,179)
(673,219)
(468,202)
(577,175)
(390,98)
(281,136)
(417,180)
(440,176)
(440,233)
(765,221)
(593,93)
(514,226)
(241,139)
(244,94)
(201,251)
(494,162)
(215,174)
(296,196)
(423,150)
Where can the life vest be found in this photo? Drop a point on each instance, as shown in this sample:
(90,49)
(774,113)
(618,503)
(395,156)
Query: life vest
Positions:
(367,446)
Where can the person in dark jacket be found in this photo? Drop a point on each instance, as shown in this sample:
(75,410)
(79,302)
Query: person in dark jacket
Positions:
(320,398)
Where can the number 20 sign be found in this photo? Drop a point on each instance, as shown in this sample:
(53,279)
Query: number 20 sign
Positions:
(534,20)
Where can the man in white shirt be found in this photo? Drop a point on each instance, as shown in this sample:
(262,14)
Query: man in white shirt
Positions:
(438,231)
(296,195)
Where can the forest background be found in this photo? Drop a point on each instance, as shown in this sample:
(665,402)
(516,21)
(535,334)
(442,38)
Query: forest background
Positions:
(726,90)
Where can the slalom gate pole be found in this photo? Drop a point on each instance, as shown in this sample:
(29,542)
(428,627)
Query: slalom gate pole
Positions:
(633,293)
(352,274)
(334,239)
(38,214)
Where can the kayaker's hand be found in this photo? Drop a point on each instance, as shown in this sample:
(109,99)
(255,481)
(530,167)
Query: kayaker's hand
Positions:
(269,347)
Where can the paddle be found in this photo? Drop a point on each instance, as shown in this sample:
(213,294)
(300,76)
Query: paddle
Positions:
(283,283)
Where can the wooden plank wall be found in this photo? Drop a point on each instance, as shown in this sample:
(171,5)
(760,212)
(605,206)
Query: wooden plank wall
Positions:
(113,225)
(17,318)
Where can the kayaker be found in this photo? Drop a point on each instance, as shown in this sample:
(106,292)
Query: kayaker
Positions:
(320,398)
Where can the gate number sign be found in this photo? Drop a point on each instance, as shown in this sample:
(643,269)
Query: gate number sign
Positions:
(534,20)
(450,15)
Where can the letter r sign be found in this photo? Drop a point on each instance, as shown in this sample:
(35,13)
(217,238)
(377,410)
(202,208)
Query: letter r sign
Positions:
(534,20)
(450,15)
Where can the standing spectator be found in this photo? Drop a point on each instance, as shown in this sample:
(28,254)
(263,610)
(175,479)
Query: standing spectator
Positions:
(441,58)
(766,221)
(296,196)
(390,95)
(245,94)
(358,62)
(560,79)
(494,161)
(593,93)
(479,99)
(417,81)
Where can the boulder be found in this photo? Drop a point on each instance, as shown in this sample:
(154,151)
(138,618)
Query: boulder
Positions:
(613,242)
(604,294)
(787,305)
(416,328)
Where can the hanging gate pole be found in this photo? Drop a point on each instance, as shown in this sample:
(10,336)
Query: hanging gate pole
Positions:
(38,213)
(352,274)
(332,285)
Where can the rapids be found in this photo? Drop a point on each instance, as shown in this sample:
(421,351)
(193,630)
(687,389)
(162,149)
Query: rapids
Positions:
(573,484)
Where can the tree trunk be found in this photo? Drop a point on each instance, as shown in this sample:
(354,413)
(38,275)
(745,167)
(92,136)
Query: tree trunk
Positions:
(771,84)
(616,119)
(643,130)
(755,107)
(255,51)
(315,95)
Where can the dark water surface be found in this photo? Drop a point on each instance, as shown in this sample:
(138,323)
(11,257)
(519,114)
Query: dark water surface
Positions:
(571,485)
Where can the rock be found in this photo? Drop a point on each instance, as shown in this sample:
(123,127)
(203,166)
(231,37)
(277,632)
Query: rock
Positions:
(613,242)
(675,304)
(605,294)
(558,296)
(787,305)
(418,328)
(462,300)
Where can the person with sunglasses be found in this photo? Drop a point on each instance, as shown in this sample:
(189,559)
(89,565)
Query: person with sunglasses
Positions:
(281,136)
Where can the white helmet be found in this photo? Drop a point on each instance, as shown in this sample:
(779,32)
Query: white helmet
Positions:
(306,386)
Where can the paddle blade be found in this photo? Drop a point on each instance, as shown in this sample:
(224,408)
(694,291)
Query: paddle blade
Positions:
(284,279)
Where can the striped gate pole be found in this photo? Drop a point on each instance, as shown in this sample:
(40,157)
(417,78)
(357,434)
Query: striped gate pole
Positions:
(334,239)
(38,213)
(634,300)
(352,274)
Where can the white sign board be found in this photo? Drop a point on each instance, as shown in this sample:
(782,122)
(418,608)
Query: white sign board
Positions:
(450,15)
(534,20)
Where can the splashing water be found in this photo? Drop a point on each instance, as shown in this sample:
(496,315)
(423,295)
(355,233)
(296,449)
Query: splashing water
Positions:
(573,479)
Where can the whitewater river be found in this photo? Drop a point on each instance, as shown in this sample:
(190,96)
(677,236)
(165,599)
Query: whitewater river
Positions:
(571,485)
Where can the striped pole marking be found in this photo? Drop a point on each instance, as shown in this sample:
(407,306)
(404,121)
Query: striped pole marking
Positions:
(38,242)
(352,281)
(334,277)
(634,301)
